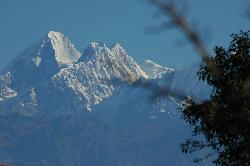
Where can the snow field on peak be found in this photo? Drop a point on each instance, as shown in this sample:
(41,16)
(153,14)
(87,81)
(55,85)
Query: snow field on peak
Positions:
(154,70)
(65,51)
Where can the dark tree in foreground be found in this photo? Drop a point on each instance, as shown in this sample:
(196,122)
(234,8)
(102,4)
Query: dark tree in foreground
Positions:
(224,119)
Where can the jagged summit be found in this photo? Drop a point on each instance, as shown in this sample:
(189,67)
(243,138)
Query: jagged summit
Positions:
(93,51)
(119,51)
(97,49)
(95,45)
(117,47)
(115,60)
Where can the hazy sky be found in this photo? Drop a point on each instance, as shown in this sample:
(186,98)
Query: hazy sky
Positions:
(23,22)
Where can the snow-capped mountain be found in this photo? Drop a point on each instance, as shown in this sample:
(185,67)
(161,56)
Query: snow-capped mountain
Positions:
(98,107)
(53,66)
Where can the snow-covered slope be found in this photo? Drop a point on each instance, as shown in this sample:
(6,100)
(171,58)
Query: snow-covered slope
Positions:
(65,52)
(5,91)
(154,70)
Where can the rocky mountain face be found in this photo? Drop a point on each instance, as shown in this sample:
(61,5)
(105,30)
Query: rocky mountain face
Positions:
(98,107)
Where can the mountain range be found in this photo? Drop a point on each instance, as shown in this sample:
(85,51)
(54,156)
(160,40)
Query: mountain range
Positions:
(60,106)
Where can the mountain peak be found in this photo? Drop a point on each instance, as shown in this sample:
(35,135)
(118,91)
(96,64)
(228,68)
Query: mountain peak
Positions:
(65,52)
(117,48)
(52,34)
(42,60)
(94,50)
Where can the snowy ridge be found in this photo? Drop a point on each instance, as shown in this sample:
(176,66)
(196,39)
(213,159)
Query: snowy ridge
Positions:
(127,63)
(154,70)
(115,61)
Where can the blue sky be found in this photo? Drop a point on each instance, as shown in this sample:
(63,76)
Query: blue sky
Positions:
(23,22)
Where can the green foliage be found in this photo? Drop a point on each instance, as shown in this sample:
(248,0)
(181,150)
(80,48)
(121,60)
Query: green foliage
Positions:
(224,119)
